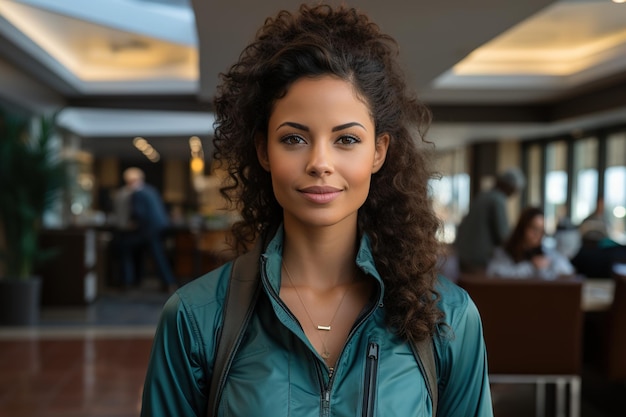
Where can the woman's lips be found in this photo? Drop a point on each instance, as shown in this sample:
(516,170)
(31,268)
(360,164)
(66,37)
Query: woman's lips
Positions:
(319,194)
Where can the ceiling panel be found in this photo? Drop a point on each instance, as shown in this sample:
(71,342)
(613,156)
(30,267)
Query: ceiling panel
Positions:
(462,56)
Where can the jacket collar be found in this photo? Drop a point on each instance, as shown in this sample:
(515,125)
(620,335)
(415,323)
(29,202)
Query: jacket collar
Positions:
(272,259)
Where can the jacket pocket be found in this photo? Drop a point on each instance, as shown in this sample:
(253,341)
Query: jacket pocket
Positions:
(371,376)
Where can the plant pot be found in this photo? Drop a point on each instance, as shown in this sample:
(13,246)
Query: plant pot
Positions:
(20,302)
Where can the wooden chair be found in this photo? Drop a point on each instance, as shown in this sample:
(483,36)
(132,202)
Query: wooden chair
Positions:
(533,334)
(615,333)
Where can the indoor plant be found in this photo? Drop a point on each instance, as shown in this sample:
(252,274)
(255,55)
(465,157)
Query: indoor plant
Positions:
(32,176)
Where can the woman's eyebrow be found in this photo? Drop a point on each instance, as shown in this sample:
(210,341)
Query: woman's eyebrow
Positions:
(334,129)
(294,125)
(347,125)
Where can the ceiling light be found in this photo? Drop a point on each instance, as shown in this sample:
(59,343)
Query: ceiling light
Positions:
(149,152)
(619,1)
(196,165)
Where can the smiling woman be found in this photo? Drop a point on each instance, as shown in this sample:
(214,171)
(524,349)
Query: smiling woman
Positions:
(320,136)
(322,149)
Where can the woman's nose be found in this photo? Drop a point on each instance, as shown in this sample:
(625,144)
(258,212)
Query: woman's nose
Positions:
(320,160)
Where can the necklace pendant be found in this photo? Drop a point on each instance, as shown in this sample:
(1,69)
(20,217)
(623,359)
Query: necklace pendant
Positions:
(320,327)
(325,354)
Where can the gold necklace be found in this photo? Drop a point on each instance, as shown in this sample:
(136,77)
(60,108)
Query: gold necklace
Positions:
(325,353)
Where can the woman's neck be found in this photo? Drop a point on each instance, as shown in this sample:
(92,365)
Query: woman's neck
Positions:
(320,257)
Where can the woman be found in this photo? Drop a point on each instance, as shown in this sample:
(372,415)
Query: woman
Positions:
(523,255)
(318,134)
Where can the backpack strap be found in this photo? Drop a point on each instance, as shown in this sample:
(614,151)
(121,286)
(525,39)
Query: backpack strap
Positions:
(241,296)
(425,354)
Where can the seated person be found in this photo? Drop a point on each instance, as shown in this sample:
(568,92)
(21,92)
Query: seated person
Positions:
(567,238)
(597,260)
(523,255)
(594,229)
(598,252)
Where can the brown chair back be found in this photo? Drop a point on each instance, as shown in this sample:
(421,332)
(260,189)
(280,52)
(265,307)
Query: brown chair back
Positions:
(531,327)
(616,332)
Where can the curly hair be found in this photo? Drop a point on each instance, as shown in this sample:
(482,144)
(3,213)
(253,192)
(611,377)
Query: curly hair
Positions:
(397,216)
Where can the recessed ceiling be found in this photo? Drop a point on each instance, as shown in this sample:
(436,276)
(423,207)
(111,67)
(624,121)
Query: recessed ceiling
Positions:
(568,44)
(107,48)
(457,52)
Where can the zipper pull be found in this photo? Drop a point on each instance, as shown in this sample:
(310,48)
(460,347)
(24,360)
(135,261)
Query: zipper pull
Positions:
(372,351)
(326,402)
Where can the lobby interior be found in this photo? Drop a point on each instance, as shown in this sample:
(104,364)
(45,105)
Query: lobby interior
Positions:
(492,71)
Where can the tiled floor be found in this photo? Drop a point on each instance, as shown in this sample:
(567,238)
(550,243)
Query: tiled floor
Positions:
(91,376)
(90,362)
(80,361)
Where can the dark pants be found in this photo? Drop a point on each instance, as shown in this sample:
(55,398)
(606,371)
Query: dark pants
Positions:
(150,243)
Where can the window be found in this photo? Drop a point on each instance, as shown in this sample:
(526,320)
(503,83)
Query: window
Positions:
(555,195)
(614,186)
(534,174)
(451,193)
(584,179)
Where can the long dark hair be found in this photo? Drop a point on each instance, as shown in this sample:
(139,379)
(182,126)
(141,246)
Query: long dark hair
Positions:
(514,245)
(398,215)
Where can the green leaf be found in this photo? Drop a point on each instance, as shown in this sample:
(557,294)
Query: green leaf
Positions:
(31,180)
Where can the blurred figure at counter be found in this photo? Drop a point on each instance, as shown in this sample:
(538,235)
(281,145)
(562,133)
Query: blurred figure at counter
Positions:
(486,226)
(148,221)
(123,226)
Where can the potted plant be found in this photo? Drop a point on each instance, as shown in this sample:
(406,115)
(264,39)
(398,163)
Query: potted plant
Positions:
(31,179)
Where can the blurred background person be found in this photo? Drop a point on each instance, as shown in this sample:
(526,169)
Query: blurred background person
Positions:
(148,222)
(594,229)
(121,227)
(121,207)
(598,252)
(486,225)
(567,239)
(524,256)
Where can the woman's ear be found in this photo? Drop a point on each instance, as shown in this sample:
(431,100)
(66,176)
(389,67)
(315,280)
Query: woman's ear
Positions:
(260,142)
(382,144)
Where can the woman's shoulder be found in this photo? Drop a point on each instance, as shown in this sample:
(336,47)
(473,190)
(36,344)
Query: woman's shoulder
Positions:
(206,291)
(454,301)
(191,315)
(461,321)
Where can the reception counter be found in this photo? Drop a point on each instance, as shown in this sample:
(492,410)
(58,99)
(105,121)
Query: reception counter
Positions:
(69,277)
(84,264)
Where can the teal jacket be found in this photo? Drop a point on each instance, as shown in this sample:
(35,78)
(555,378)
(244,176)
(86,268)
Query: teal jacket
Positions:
(277,372)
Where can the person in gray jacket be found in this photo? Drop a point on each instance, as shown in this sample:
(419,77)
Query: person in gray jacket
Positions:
(486,225)
(323,144)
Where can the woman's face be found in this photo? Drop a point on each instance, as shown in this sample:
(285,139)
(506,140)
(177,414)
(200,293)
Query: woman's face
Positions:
(534,232)
(321,152)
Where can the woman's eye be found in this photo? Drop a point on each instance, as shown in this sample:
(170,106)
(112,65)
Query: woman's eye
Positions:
(292,139)
(348,140)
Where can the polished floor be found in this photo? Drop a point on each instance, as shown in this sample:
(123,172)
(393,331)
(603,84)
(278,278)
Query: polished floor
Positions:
(90,362)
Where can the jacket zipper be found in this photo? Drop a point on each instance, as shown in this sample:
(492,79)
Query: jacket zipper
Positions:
(371,376)
(327,387)
(325,403)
